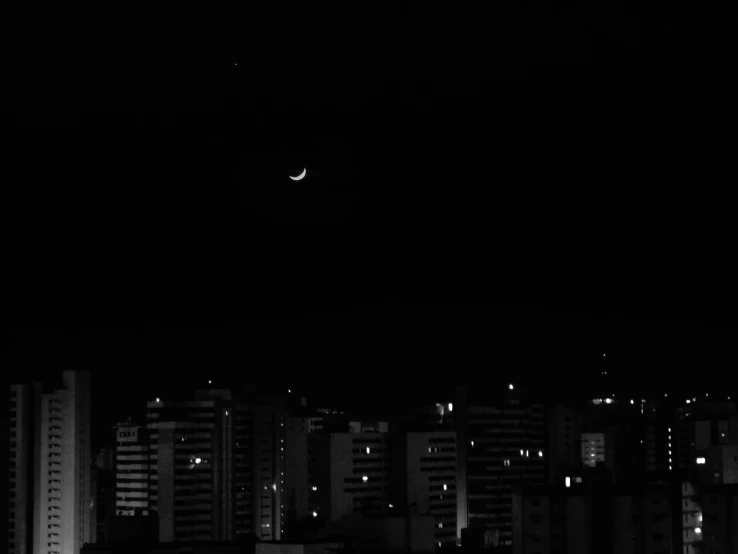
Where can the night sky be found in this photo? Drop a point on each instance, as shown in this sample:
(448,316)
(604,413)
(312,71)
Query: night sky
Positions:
(524,113)
(178,128)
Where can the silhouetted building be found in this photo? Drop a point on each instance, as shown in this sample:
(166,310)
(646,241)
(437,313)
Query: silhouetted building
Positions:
(350,474)
(217,465)
(134,529)
(564,439)
(297,472)
(597,519)
(613,433)
(103,483)
(266,468)
(500,444)
(424,479)
(406,532)
(191,467)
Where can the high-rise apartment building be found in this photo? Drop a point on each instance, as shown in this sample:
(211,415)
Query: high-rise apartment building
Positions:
(132,459)
(63,520)
(350,474)
(104,483)
(423,469)
(217,465)
(297,470)
(191,466)
(500,442)
(51,496)
(268,418)
(563,443)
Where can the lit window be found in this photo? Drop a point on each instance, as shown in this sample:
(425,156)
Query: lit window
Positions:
(608,400)
(368,450)
(315,514)
(631,401)
(510,386)
(472,443)
(315,488)
(697,530)
(540,453)
(567,482)
(365,478)
(700,460)
(450,407)
(391,506)
(445,487)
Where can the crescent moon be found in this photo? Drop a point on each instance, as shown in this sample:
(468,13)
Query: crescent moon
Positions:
(300,176)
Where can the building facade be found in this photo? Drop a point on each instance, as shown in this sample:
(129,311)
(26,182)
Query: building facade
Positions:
(500,442)
(350,473)
(597,519)
(23,465)
(132,464)
(51,491)
(424,480)
(217,465)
